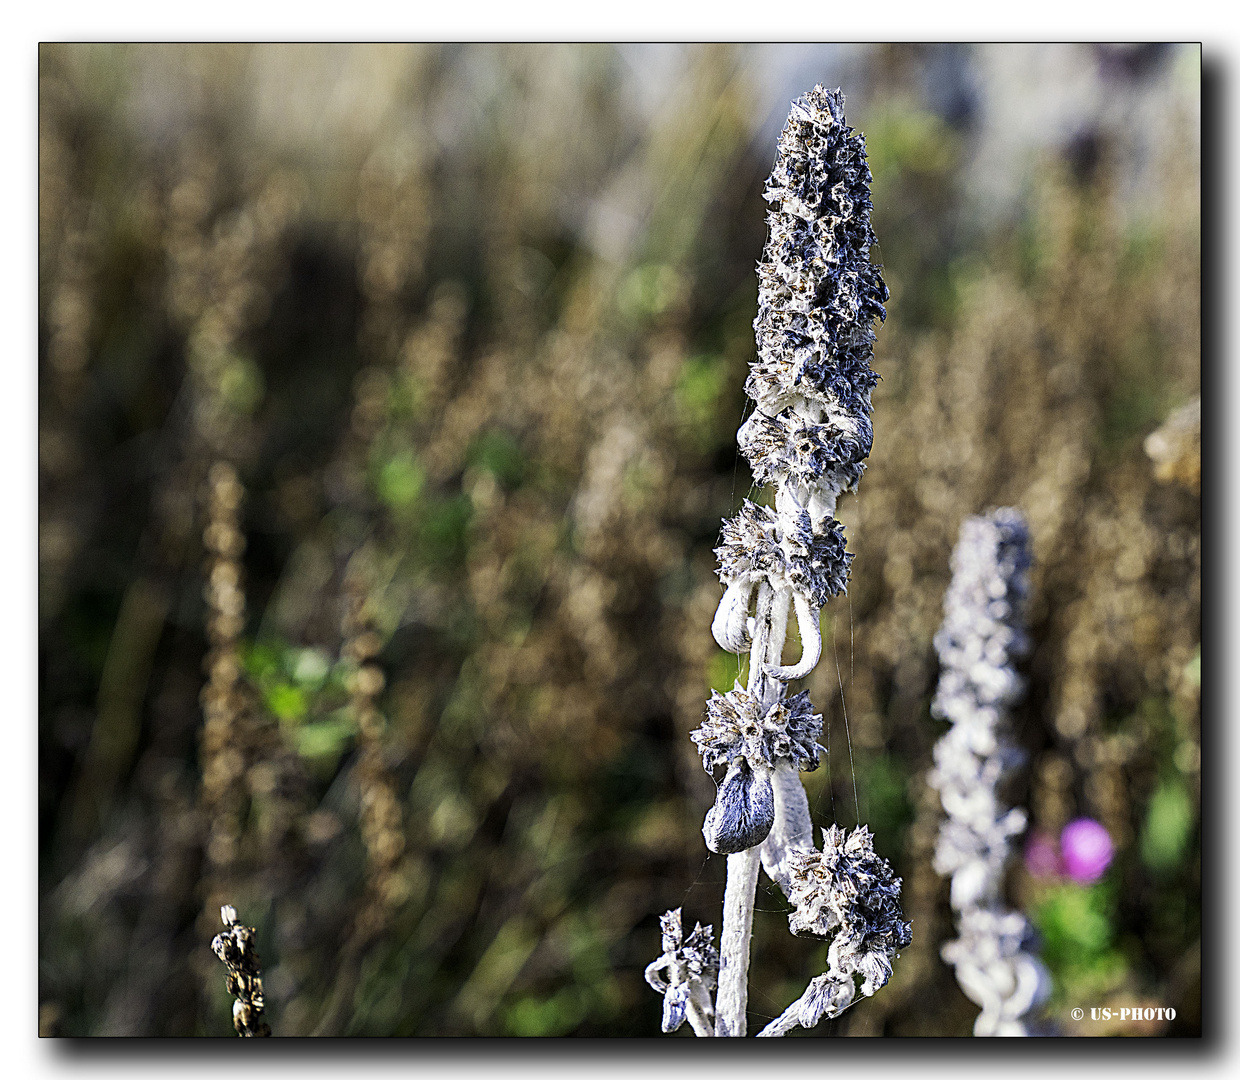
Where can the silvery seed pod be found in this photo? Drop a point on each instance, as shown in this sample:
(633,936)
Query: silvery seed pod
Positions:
(744,810)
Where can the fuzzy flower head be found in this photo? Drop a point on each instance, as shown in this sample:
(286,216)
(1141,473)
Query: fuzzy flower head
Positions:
(760,544)
(751,740)
(686,972)
(848,893)
(818,292)
(791,448)
(737,725)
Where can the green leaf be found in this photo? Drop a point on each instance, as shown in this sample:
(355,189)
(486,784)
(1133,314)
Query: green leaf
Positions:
(552,1016)
(261,660)
(325,739)
(401,480)
(287,702)
(1168,826)
(1075,924)
(444,528)
(501,456)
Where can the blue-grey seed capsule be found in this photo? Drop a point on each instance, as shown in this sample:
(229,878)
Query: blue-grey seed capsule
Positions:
(743,813)
(674,1005)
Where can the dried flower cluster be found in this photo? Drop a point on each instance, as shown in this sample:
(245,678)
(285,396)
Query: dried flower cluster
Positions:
(752,740)
(809,435)
(381,825)
(685,975)
(238,951)
(848,894)
(981,637)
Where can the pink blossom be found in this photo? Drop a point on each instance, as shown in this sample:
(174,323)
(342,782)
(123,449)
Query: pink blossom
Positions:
(1087,850)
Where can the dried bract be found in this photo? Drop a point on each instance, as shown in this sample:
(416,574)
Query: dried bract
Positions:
(744,810)
(848,893)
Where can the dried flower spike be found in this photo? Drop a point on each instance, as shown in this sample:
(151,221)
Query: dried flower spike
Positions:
(237,949)
(818,296)
(981,637)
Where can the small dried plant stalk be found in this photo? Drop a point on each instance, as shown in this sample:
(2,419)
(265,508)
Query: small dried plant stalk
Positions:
(238,951)
(222,697)
(686,975)
(809,435)
(981,637)
(382,826)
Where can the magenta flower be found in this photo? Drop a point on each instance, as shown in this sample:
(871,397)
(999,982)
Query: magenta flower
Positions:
(1087,850)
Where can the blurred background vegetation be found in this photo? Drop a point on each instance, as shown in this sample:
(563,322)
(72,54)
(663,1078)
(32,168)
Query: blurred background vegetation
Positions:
(388,400)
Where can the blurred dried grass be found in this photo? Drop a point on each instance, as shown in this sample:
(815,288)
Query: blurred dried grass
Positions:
(466,327)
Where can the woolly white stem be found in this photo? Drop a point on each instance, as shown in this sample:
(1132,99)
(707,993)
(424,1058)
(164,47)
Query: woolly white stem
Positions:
(730,623)
(793,830)
(777,634)
(770,629)
(784,1022)
(779,625)
(821,505)
(811,643)
(738,901)
(697,1012)
(761,635)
